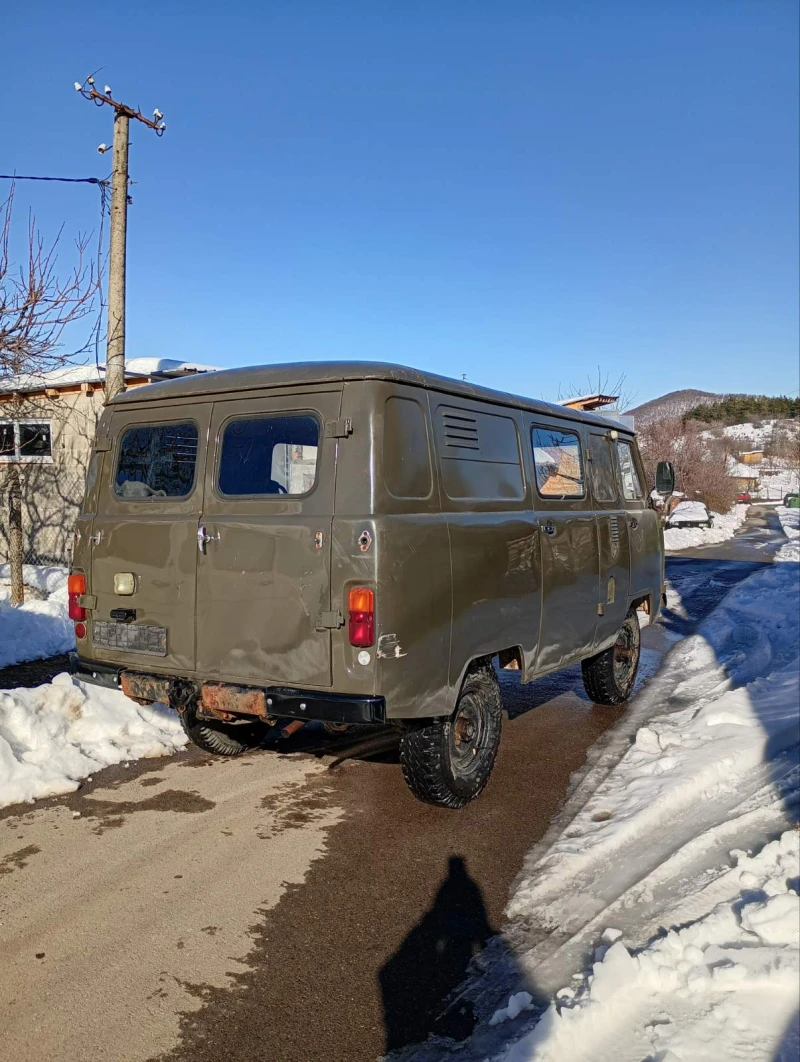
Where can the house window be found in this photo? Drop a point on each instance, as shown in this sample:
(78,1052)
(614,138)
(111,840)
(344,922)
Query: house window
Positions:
(25,440)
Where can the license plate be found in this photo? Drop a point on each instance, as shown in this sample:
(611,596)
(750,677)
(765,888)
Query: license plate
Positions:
(130,637)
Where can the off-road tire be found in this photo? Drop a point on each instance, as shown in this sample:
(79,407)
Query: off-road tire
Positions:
(609,677)
(437,757)
(221,739)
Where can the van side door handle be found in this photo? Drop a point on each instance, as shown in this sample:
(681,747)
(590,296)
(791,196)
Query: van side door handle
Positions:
(549,528)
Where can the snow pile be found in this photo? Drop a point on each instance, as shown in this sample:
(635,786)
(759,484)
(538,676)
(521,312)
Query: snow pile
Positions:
(725,527)
(54,735)
(39,628)
(790,522)
(725,986)
(659,917)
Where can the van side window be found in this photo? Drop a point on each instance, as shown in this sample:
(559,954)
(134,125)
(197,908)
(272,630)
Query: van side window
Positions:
(269,455)
(406,454)
(631,487)
(558,462)
(480,455)
(604,478)
(156,461)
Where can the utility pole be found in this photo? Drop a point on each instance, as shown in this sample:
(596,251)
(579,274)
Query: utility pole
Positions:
(115,342)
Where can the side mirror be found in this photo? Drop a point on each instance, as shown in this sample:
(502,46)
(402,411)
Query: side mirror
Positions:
(665,477)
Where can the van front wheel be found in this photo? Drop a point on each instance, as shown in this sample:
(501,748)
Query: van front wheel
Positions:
(447,762)
(609,677)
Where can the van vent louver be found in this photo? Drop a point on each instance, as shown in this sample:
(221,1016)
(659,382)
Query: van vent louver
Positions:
(460,431)
(614,522)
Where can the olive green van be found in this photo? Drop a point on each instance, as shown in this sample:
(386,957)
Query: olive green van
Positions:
(359,544)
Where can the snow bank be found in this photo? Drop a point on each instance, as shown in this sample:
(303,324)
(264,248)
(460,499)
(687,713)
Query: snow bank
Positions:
(56,734)
(725,527)
(39,628)
(660,915)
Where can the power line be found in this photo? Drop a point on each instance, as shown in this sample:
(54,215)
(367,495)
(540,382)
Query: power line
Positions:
(65,180)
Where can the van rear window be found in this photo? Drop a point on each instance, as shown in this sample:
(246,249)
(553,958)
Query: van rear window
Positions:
(269,455)
(157,461)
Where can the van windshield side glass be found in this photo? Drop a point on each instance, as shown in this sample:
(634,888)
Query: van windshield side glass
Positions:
(559,463)
(631,487)
(157,461)
(269,455)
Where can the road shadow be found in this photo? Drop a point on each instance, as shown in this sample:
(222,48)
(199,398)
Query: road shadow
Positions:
(432,961)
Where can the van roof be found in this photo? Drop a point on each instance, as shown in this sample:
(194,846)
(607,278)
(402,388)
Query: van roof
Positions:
(309,373)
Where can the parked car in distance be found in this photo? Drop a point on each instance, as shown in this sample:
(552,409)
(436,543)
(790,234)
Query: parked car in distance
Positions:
(690,514)
(791,501)
(359,544)
(744,496)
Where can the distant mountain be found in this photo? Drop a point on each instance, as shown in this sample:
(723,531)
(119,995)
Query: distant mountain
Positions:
(675,404)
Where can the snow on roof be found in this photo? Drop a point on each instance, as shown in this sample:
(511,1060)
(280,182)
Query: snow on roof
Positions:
(746,453)
(72,375)
(741,470)
(149,366)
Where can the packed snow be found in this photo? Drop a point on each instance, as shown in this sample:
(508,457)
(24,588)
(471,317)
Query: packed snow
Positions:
(724,527)
(55,735)
(40,627)
(659,917)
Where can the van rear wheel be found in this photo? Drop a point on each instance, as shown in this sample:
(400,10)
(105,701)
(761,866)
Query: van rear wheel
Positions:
(447,762)
(609,677)
(221,739)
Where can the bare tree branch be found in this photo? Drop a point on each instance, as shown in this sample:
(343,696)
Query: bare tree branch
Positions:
(37,304)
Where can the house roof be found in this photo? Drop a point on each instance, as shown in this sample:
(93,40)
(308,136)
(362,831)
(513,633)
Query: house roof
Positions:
(589,402)
(311,374)
(73,375)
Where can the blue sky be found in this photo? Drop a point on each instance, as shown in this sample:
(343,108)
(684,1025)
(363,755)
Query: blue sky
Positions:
(516,191)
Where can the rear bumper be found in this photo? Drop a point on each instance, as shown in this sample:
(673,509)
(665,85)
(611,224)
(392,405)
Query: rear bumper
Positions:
(225,699)
(90,671)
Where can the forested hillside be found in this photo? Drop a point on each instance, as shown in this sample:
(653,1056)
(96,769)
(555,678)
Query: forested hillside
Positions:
(739,409)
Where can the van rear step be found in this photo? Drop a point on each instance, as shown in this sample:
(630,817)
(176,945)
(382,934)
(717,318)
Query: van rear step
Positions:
(226,701)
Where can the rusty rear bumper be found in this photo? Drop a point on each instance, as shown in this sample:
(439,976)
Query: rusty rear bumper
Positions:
(224,700)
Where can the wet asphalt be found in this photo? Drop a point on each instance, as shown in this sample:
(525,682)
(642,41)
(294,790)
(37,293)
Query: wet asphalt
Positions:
(363,954)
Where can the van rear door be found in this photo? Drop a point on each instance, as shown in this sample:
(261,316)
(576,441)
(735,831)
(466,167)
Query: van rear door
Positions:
(145,534)
(263,576)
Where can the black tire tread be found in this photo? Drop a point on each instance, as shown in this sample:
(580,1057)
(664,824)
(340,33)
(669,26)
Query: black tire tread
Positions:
(598,675)
(422,750)
(218,739)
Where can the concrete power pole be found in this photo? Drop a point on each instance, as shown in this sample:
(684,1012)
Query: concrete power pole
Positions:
(115,343)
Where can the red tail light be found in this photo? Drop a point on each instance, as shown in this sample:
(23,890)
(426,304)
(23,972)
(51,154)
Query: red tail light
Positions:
(361,606)
(76,585)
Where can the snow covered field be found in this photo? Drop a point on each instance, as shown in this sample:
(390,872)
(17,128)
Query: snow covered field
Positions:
(40,627)
(54,735)
(725,526)
(660,915)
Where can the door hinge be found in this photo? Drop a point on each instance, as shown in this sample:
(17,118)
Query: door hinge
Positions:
(338,429)
(329,621)
(88,601)
(589,455)
(103,438)
(601,609)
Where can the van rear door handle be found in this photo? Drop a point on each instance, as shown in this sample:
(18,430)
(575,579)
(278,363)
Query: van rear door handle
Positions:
(203,538)
(549,529)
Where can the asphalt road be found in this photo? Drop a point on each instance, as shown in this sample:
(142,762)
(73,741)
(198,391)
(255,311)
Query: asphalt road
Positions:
(296,905)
